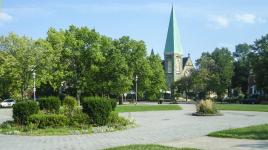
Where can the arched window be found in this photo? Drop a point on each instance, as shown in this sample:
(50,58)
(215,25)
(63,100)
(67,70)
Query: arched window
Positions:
(169,66)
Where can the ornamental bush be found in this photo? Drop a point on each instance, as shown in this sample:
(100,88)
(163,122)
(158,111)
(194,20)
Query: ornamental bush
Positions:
(79,119)
(22,110)
(206,107)
(113,103)
(98,109)
(69,102)
(48,120)
(114,120)
(50,104)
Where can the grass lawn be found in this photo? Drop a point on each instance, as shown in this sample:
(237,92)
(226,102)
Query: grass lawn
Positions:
(259,132)
(148,147)
(243,107)
(135,108)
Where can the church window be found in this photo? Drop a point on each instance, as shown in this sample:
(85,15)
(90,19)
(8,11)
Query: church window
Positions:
(169,66)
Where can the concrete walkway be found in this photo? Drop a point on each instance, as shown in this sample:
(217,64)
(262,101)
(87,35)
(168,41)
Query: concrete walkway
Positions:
(176,128)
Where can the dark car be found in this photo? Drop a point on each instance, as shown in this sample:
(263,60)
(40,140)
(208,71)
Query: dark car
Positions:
(249,101)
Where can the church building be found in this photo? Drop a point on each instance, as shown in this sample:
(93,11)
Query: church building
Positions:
(176,66)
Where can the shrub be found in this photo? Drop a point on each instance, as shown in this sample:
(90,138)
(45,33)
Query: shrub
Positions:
(48,120)
(206,107)
(113,103)
(114,120)
(69,102)
(79,119)
(98,109)
(50,104)
(22,110)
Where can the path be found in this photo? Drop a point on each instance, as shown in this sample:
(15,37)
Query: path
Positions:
(153,127)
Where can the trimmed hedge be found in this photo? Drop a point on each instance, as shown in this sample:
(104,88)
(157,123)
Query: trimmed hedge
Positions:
(48,120)
(50,104)
(22,110)
(113,103)
(98,109)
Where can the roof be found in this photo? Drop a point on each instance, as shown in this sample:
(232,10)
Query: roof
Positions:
(173,41)
(185,60)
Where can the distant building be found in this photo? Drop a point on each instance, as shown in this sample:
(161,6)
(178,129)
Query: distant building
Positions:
(176,66)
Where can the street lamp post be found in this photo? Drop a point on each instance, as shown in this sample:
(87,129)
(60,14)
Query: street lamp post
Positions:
(34,88)
(136,79)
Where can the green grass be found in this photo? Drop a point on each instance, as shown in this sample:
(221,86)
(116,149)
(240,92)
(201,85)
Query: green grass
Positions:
(259,132)
(136,108)
(243,107)
(147,147)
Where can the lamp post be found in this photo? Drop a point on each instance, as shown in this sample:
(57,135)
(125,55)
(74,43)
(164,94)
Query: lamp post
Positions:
(136,79)
(34,88)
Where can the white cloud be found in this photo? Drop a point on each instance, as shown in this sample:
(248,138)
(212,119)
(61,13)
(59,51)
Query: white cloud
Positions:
(246,18)
(220,21)
(4,17)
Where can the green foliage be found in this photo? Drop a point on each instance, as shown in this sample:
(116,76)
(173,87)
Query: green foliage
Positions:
(49,104)
(184,85)
(79,119)
(98,109)
(69,102)
(157,81)
(22,111)
(113,103)
(241,67)
(48,120)
(259,61)
(114,120)
(24,55)
(214,72)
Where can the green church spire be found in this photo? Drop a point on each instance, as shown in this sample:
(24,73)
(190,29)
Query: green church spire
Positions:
(173,41)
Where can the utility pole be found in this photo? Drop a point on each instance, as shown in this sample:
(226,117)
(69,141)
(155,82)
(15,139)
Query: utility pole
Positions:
(34,88)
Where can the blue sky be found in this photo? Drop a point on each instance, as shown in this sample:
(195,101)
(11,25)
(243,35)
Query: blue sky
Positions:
(203,24)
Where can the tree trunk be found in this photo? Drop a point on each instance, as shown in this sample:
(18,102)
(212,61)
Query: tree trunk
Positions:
(121,100)
(186,94)
(78,94)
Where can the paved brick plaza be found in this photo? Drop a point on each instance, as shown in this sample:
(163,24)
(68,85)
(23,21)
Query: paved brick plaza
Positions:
(153,127)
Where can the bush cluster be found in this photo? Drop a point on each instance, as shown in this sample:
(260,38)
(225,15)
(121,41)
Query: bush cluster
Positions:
(206,107)
(70,103)
(98,109)
(48,120)
(79,119)
(50,104)
(114,120)
(22,111)
(95,110)
(113,103)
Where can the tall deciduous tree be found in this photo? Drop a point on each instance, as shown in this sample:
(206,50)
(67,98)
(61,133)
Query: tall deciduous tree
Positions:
(223,72)
(28,55)
(241,67)
(259,62)
(157,78)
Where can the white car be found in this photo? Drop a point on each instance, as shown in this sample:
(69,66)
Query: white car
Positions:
(7,103)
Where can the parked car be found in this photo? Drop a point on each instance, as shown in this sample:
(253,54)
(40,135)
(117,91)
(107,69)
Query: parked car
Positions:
(249,101)
(7,103)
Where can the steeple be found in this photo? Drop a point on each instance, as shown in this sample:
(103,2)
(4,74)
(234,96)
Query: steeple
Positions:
(173,41)
(152,52)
